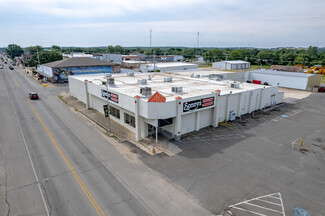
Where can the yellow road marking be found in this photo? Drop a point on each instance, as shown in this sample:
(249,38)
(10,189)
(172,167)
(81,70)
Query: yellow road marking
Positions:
(81,183)
(15,81)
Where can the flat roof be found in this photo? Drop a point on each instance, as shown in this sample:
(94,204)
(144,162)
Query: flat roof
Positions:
(235,62)
(192,87)
(282,73)
(78,62)
(173,64)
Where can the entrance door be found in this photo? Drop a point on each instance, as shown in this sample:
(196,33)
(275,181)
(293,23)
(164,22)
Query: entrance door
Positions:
(151,130)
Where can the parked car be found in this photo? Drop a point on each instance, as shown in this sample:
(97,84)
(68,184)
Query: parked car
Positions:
(33,95)
(11,67)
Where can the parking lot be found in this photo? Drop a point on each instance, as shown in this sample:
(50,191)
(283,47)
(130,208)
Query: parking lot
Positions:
(254,157)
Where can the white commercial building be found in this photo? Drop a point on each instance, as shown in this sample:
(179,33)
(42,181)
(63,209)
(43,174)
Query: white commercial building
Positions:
(171,103)
(168,66)
(231,65)
(286,79)
(109,57)
(76,55)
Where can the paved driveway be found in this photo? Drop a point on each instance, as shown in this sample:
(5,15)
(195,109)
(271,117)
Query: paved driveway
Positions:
(234,163)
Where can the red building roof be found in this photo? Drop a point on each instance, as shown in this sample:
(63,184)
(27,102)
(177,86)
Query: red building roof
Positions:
(157,98)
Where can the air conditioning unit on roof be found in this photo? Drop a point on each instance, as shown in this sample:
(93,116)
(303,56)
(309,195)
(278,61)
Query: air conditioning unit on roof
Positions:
(177,89)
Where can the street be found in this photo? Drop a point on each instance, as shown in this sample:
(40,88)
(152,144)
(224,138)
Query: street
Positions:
(33,137)
(47,167)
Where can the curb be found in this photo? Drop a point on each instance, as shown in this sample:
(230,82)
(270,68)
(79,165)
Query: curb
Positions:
(105,131)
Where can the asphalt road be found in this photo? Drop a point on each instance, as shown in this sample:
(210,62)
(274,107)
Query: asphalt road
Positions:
(45,167)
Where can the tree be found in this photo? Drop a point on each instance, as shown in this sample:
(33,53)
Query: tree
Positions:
(267,57)
(45,57)
(302,59)
(34,49)
(55,47)
(14,50)
(213,55)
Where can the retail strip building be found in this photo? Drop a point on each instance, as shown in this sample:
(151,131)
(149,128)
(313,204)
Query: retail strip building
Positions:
(171,103)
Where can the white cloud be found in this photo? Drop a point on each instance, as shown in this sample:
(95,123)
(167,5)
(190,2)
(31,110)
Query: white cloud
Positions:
(97,8)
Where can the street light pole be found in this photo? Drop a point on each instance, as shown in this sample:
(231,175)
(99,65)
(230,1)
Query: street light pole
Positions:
(108,113)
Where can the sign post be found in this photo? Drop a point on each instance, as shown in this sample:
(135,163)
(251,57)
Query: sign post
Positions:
(106,110)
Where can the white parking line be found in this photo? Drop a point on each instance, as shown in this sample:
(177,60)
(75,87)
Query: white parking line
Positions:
(241,206)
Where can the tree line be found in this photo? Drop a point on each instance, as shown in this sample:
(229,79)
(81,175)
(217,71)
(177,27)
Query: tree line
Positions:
(282,56)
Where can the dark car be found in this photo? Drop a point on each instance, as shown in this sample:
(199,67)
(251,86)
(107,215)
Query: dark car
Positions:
(11,67)
(33,95)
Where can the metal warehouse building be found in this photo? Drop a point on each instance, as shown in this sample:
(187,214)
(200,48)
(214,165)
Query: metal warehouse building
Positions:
(171,103)
(286,79)
(231,65)
(60,70)
(168,66)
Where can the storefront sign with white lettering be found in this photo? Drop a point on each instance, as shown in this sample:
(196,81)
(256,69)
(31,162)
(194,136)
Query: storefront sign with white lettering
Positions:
(198,104)
(111,96)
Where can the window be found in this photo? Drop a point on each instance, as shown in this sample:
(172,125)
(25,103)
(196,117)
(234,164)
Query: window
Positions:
(130,120)
(114,112)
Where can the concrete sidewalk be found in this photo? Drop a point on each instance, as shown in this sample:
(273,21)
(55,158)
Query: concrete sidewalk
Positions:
(123,134)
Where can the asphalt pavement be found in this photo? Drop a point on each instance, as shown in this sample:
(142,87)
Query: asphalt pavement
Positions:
(53,162)
(49,171)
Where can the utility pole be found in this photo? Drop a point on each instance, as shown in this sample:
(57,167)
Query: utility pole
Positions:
(226,61)
(109,110)
(150,40)
(197,43)
(38,56)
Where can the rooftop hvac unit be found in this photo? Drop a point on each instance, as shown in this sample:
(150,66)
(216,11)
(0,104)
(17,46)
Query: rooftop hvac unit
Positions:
(110,81)
(142,81)
(131,73)
(234,85)
(146,91)
(177,89)
(168,79)
(108,75)
(196,76)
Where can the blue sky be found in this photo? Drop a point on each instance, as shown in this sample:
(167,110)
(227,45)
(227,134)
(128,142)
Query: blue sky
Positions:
(221,23)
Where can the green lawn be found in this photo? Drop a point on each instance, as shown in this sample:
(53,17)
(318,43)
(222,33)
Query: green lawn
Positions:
(206,65)
(255,67)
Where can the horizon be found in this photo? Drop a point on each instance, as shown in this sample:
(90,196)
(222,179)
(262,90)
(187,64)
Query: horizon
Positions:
(235,23)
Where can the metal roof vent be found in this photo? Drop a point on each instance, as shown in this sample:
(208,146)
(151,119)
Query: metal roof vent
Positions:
(196,76)
(110,81)
(146,91)
(234,85)
(142,81)
(168,79)
(177,89)
(131,73)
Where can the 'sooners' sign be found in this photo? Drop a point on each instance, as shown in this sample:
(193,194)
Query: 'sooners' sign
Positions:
(198,104)
(111,96)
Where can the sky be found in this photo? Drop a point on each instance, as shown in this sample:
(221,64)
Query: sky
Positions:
(220,23)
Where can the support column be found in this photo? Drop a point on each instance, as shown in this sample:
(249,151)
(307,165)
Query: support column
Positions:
(178,119)
(137,118)
(261,97)
(87,94)
(197,120)
(215,120)
(239,104)
(227,107)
